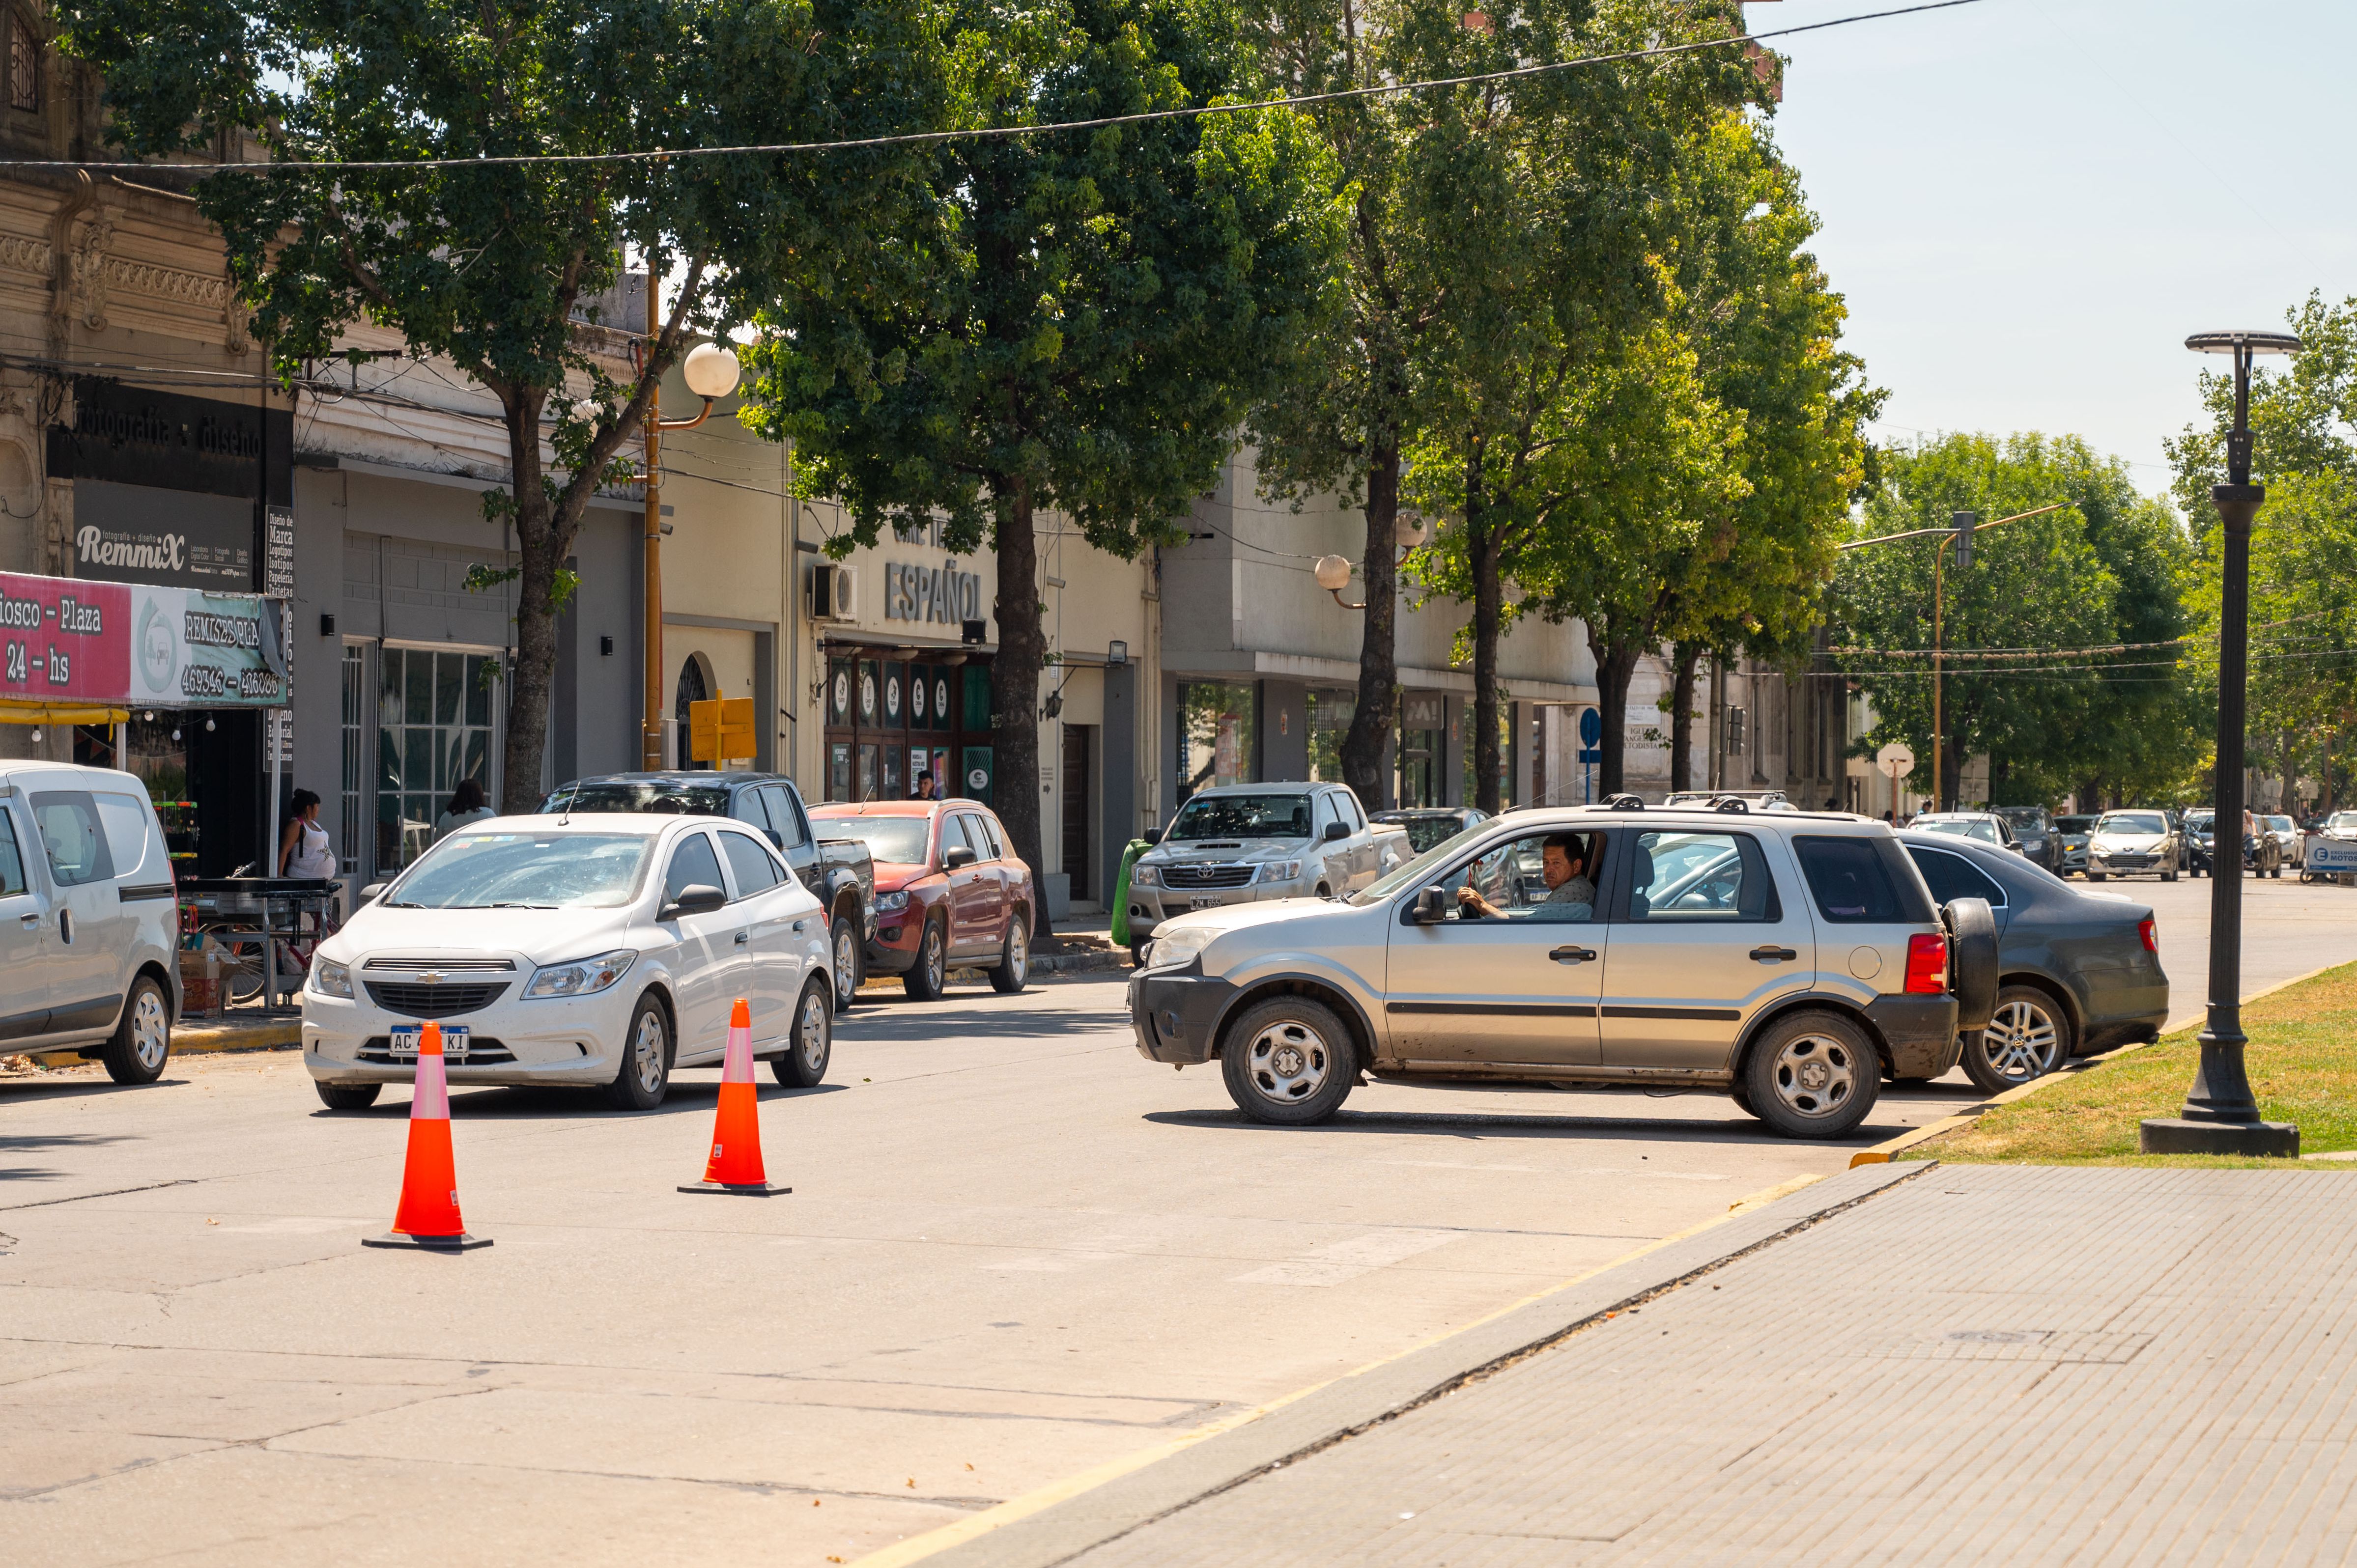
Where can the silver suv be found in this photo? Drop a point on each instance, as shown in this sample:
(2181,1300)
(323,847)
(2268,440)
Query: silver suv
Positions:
(1244,843)
(1792,959)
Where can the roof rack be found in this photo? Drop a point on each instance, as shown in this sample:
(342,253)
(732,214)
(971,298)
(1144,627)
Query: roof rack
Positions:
(1624,802)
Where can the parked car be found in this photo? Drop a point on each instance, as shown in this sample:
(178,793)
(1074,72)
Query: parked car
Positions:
(2138,842)
(1791,960)
(2070,835)
(1986,826)
(2200,852)
(1429,825)
(840,875)
(1708,800)
(949,892)
(1248,844)
(88,923)
(600,950)
(2287,840)
(2077,972)
(2034,833)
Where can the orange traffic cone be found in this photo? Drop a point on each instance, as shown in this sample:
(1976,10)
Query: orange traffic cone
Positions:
(428,1217)
(736,1163)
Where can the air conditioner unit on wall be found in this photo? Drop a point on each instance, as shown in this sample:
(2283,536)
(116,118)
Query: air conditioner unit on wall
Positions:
(834,593)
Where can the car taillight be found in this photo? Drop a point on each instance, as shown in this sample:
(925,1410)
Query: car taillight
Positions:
(2150,934)
(1927,964)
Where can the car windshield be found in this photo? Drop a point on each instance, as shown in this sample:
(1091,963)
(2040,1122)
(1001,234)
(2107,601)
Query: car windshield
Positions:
(1423,833)
(1440,857)
(641,795)
(1241,817)
(901,840)
(2342,822)
(1961,827)
(2133,822)
(2281,824)
(2073,825)
(2199,818)
(524,871)
(2023,816)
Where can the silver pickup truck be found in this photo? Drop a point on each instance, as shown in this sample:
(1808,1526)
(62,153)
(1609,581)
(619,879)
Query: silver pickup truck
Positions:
(1245,844)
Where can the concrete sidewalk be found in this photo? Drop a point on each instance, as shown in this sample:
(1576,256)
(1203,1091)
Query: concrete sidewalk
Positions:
(1932,1363)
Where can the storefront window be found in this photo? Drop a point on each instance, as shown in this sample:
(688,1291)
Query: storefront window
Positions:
(433,728)
(1216,733)
(354,799)
(1330,721)
(1423,720)
(1505,757)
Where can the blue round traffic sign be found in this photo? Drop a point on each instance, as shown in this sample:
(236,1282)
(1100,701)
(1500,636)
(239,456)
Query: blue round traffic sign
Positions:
(1591,727)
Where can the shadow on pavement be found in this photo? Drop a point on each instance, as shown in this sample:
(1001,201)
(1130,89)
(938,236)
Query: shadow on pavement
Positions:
(52,1088)
(501,1103)
(1734,1127)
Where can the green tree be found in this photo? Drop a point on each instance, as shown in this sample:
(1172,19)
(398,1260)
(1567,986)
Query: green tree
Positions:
(489,266)
(1077,320)
(2103,571)
(1553,399)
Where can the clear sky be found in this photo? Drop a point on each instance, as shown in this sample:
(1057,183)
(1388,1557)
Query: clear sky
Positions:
(2029,203)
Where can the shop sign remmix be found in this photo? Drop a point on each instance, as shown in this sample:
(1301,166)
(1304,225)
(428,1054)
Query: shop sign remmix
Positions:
(64,638)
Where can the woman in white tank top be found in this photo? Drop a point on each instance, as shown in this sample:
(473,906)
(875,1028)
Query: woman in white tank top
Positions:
(303,848)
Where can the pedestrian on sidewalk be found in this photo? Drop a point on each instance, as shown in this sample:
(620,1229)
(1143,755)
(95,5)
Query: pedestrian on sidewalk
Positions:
(467,805)
(303,849)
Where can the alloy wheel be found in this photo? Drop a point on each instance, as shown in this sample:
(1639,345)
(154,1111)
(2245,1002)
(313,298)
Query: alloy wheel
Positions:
(151,1030)
(811,1042)
(1815,1075)
(1018,952)
(647,1051)
(1288,1061)
(2023,1042)
(846,961)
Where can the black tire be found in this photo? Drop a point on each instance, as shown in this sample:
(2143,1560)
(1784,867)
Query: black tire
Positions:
(1812,1074)
(930,975)
(1742,1098)
(1137,955)
(142,1041)
(812,1043)
(644,1078)
(1972,960)
(1013,969)
(2170,875)
(1288,1061)
(2094,877)
(849,967)
(347,1096)
(2028,1035)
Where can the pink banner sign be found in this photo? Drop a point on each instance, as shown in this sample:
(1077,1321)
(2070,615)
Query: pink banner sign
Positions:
(64,640)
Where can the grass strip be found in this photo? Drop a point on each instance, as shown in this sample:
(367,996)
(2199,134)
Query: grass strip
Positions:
(2302,1060)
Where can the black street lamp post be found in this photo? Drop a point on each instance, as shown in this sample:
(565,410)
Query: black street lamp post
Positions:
(2220,1116)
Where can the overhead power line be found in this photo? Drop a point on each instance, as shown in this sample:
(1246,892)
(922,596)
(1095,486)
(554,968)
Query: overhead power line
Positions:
(980,133)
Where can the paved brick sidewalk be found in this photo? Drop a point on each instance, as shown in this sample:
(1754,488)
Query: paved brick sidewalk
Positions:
(1979,1364)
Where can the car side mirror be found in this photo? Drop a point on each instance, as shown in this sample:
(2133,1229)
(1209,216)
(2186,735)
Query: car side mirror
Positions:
(696,899)
(1152,835)
(1430,908)
(1335,830)
(957,857)
(373,891)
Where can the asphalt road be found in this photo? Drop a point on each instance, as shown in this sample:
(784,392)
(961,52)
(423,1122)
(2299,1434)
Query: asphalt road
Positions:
(1015,1252)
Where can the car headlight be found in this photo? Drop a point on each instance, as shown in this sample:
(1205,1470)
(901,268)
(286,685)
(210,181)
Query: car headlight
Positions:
(330,977)
(1178,946)
(891,903)
(1280,871)
(581,977)
(1145,877)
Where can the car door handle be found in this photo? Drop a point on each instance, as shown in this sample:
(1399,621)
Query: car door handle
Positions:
(1572,955)
(800,924)
(1774,955)
(30,922)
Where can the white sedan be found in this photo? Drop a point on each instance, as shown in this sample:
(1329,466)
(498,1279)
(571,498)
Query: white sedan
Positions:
(602,950)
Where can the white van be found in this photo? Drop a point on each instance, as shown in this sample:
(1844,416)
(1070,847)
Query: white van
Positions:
(89,920)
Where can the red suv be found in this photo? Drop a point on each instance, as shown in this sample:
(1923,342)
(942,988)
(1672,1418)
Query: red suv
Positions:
(949,892)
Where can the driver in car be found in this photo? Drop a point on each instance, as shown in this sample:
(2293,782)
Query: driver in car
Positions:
(1571,892)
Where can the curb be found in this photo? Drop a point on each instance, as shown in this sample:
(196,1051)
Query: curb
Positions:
(1068,1516)
(273,1035)
(1882,1153)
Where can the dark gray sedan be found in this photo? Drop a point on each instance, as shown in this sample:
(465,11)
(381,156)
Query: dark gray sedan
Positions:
(2078,972)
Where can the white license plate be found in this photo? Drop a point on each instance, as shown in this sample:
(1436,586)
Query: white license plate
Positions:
(453,1040)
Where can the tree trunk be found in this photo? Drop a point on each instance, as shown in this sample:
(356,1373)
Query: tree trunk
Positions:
(531,684)
(1616,663)
(1489,606)
(1952,765)
(1014,689)
(1371,721)
(1684,656)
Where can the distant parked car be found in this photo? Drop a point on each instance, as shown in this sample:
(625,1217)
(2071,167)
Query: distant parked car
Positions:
(950,893)
(2140,842)
(1708,800)
(2071,834)
(2201,852)
(1986,826)
(1248,844)
(840,877)
(89,921)
(2287,837)
(2078,972)
(2038,842)
(1430,825)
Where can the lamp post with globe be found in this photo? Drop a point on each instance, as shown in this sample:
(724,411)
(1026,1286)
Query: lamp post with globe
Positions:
(2220,1116)
(711,372)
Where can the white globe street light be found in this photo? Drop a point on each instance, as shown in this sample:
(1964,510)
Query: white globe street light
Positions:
(1333,573)
(711,371)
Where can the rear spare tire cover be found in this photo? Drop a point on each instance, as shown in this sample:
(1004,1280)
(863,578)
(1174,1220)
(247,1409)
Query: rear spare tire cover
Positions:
(1972,960)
